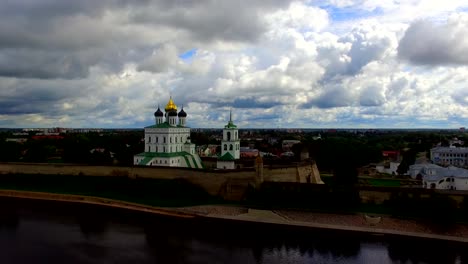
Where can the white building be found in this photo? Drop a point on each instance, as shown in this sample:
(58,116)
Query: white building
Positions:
(167,142)
(417,171)
(450,156)
(230,146)
(388,167)
(436,177)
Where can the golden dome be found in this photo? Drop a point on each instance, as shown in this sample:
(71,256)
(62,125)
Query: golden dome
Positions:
(171,106)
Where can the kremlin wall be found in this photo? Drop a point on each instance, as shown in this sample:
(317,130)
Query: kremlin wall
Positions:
(229,184)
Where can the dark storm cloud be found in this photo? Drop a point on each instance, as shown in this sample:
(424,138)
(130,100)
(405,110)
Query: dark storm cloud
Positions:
(25,63)
(209,20)
(333,95)
(427,43)
(31,97)
(63,39)
(252,103)
(244,103)
(328,100)
(264,117)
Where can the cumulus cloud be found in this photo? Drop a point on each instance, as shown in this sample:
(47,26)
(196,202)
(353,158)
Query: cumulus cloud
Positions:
(429,43)
(340,63)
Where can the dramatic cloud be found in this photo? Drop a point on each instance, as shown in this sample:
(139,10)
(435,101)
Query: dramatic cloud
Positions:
(110,63)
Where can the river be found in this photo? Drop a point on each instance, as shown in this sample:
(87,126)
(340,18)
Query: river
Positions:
(55,232)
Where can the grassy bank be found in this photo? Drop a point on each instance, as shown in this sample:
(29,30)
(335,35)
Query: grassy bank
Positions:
(154,192)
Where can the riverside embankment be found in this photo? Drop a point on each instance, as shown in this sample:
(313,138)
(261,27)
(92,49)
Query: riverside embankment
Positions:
(349,223)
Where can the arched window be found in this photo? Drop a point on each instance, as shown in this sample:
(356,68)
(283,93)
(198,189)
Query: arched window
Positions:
(157,139)
(149,148)
(164,139)
(230,147)
(225,147)
(235,136)
(228,136)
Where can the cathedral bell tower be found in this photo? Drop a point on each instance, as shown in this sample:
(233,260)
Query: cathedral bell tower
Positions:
(230,143)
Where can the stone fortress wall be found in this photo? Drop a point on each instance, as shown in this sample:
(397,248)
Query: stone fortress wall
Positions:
(230,184)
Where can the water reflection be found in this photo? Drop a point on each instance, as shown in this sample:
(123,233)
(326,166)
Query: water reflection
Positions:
(87,234)
(168,245)
(92,222)
(9,219)
(407,251)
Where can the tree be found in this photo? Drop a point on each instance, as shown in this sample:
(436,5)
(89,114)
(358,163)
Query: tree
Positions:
(345,173)
(409,157)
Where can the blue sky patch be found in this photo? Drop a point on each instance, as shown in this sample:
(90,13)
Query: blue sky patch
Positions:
(349,13)
(188,54)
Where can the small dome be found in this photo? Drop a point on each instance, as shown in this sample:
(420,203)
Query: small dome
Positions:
(172,113)
(182,113)
(158,112)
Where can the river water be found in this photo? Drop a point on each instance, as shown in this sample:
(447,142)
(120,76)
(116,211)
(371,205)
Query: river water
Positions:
(53,232)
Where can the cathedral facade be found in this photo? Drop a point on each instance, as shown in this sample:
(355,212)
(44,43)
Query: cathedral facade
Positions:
(167,142)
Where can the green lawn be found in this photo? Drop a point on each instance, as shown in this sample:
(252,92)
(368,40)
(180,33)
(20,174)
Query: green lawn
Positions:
(154,192)
(384,182)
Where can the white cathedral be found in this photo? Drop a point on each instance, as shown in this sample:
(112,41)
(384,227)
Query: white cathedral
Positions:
(167,142)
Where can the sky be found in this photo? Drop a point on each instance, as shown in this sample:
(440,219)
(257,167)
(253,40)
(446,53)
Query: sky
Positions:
(275,63)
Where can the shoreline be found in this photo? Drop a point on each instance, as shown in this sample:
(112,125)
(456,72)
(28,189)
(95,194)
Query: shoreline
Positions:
(285,218)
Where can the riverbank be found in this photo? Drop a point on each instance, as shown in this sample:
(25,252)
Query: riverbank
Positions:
(301,219)
(94,200)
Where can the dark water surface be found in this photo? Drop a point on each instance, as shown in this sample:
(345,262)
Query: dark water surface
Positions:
(54,232)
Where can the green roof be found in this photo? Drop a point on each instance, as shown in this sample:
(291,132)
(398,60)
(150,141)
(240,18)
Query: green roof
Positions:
(162,154)
(227,157)
(145,161)
(163,125)
(230,125)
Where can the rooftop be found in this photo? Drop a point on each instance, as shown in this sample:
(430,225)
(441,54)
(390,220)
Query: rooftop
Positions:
(162,154)
(163,125)
(227,157)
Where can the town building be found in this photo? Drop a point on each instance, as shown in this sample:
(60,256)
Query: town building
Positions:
(437,177)
(247,152)
(288,143)
(391,162)
(450,156)
(167,142)
(389,167)
(210,150)
(230,146)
